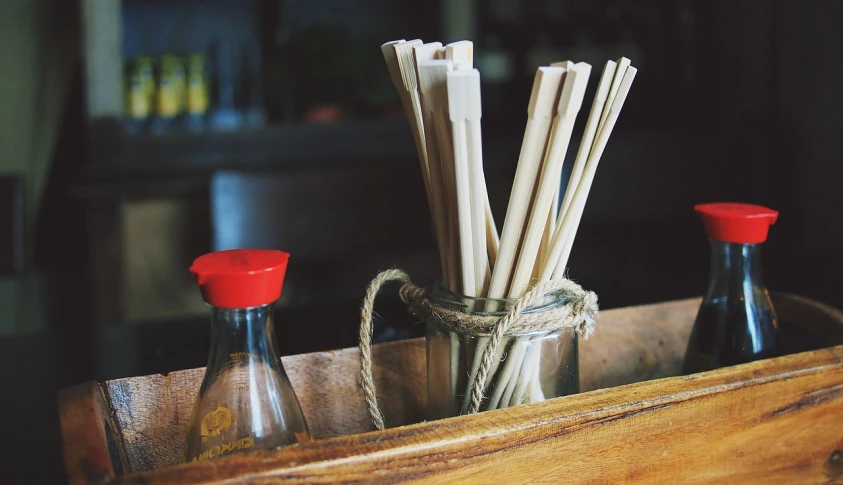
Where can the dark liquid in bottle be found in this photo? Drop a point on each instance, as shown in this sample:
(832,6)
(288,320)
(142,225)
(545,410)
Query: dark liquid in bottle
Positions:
(729,333)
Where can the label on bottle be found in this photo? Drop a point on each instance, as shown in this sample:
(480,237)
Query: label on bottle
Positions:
(215,422)
(197,96)
(233,415)
(138,104)
(168,102)
(217,450)
(212,425)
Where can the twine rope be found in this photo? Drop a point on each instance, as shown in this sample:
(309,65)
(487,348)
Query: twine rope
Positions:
(578,313)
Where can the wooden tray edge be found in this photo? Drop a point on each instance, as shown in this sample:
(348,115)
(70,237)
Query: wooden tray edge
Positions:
(425,444)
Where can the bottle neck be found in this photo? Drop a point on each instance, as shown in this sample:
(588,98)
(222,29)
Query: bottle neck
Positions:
(735,270)
(249,330)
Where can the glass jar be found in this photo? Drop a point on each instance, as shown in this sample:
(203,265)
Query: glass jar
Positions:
(245,400)
(528,367)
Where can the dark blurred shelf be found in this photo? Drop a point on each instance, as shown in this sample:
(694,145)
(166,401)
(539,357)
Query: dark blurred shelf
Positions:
(123,164)
(126,163)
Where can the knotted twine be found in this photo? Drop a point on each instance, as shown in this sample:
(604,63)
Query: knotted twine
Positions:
(578,313)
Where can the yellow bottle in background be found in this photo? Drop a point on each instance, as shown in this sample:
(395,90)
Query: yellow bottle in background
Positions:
(167,103)
(198,97)
(197,86)
(138,104)
(173,67)
(146,73)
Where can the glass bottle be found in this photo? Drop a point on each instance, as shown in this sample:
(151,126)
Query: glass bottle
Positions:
(246,400)
(736,322)
(530,367)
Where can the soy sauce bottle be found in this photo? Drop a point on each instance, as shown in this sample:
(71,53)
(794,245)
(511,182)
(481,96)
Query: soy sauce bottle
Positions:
(736,322)
(245,401)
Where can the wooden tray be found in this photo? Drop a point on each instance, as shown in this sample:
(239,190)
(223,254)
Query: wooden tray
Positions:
(773,421)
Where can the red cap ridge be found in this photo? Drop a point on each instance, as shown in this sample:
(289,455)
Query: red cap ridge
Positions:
(734,222)
(241,278)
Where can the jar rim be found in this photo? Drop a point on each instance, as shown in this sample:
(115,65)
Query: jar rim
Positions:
(457,302)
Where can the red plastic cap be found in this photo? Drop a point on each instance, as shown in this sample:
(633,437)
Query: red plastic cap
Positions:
(241,278)
(738,223)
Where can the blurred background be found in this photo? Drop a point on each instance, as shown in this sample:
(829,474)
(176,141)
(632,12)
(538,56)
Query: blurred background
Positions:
(136,135)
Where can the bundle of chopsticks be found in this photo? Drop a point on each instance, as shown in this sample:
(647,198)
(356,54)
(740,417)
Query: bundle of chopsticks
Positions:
(440,92)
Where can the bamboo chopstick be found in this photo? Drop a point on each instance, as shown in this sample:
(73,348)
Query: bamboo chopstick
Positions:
(479,197)
(399,58)
(458,112)
(622,64)
(493,239)
(421,53)
(539,115)
(566,233)
(388,51)
(434,79)
(570,100)
(550,227)
(586,143)
(461,53)
(434,85)
(543,98)
(406,64)
(569,231)
(549,231)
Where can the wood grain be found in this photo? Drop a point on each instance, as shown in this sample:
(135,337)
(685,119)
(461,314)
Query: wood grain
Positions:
(635,344)
(93,451)
(773,421)
(153,411)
